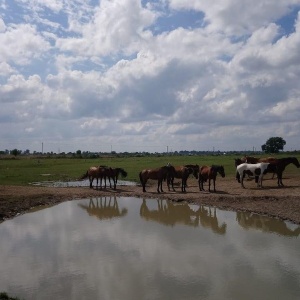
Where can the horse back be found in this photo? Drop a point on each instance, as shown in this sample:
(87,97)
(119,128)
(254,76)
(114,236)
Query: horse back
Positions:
(204,172)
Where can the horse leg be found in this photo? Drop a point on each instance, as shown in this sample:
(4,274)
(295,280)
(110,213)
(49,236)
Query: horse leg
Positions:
(214,184)
(115,183)
(143,182)
(279,179)
(91,182)
(158,183)
(209,184)
(200,183)
(242,179)
(168,183)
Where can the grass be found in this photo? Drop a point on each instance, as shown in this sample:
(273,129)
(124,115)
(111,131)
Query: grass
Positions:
(25,170)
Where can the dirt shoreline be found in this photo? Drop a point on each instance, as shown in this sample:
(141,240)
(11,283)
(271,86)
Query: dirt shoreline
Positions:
(282,203)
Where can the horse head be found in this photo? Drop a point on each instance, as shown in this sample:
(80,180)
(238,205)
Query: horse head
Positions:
(221,171)
(295,161)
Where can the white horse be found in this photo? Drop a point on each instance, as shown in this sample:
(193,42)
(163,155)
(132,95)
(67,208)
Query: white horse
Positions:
(258,170)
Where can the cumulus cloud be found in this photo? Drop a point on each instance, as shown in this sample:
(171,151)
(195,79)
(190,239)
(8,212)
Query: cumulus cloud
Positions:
(81,71)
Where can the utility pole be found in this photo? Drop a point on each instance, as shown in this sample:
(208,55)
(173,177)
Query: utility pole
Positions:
(42,147)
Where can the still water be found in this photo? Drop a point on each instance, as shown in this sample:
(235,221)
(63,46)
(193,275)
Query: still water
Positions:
(130,248)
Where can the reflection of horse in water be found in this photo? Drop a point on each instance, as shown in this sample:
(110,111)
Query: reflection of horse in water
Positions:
(104,208)
(169,213)
(249,220)
(209,219)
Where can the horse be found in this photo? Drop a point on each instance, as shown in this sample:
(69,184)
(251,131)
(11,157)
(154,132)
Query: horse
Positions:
(239,161)
(257,170)
(255,160)
(94,172)
(278,166)
(158,174)
(180,172)
(113,173)
(210,173)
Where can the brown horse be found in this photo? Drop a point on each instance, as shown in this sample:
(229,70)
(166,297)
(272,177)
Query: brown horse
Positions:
(95,172)
(181,172)
(158,174)
(209,173)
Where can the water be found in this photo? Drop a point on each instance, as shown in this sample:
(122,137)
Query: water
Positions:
(130,248)
(78,183)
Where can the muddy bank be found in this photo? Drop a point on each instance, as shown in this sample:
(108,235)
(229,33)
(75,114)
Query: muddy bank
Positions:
(283,203)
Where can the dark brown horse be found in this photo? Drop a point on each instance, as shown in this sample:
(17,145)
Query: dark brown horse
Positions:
(158,174)
(181,172)
(278,166)
(113,173)
(209,173)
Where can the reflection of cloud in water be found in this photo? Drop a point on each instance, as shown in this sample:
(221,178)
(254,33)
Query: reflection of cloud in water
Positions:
(67,254)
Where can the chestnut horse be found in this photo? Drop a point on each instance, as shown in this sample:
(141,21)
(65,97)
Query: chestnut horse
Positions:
(94,172)
(209,173)
(158,174)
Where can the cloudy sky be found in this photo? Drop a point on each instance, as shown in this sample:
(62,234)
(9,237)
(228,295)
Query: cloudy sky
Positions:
(139,75)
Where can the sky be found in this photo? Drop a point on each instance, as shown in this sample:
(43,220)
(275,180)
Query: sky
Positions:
(155,76)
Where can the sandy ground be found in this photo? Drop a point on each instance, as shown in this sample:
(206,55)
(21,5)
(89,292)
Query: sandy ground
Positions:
(283,203)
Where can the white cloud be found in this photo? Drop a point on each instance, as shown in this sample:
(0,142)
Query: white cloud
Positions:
(22,43)
(76,71)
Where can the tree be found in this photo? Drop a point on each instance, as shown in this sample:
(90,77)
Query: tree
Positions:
(273,145)
(15,152)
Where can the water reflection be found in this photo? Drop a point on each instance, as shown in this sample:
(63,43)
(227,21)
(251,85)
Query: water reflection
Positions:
(249,220)
(86,251)
(170,213)
(104,208)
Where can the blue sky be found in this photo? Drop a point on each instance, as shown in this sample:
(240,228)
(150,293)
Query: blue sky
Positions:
(133,75)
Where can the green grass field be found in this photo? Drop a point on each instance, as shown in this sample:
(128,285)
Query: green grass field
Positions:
(25,170)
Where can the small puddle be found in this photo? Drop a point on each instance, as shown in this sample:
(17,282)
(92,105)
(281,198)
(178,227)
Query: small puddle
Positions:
(77,183)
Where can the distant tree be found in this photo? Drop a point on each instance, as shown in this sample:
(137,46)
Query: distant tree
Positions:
(15,152)
(273,145)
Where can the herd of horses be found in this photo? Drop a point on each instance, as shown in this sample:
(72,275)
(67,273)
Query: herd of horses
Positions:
(258,167)
(251,166)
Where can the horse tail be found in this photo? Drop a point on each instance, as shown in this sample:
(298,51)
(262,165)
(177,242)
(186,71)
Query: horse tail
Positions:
(141,178)
(85,175)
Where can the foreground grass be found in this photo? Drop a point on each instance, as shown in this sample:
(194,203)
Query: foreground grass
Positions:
(24,170)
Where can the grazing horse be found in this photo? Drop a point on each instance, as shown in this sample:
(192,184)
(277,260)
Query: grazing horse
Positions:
(209,173)
(257,170)
(113,173)
(92,173)
(158,174)
(278,166)
(180,172)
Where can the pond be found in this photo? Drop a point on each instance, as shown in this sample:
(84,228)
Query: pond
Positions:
(131,248)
